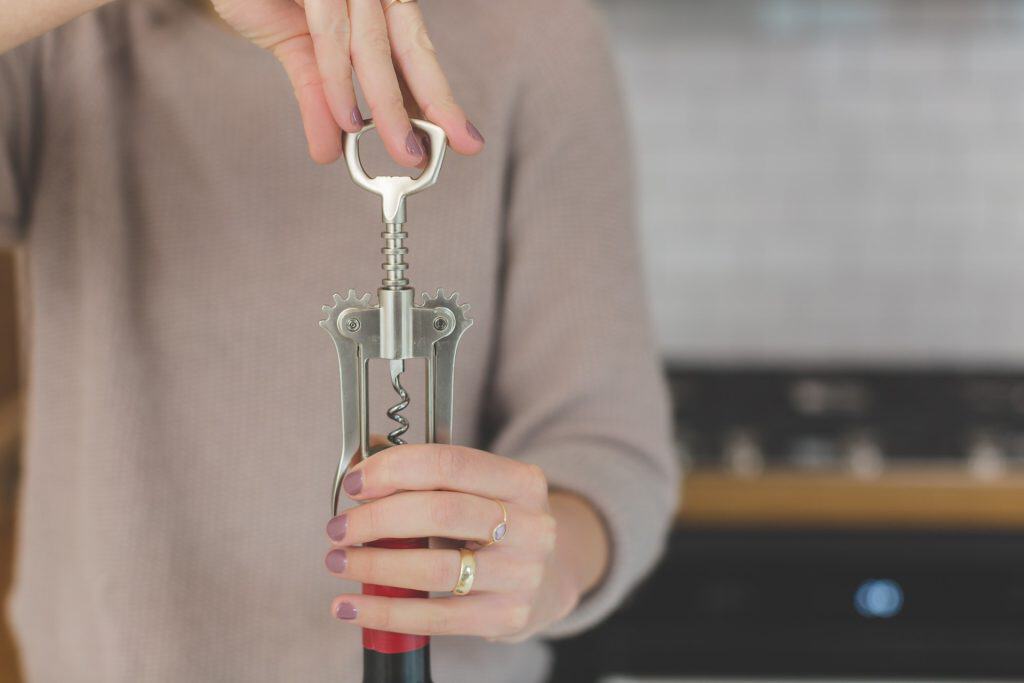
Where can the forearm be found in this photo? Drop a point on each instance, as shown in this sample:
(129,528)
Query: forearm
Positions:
(22,20)
(582,546)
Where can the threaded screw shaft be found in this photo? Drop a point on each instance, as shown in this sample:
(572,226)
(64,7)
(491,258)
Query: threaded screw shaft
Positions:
(394,253)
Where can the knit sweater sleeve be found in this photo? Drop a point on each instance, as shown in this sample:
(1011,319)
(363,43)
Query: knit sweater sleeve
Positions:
(579,387)
(20,123)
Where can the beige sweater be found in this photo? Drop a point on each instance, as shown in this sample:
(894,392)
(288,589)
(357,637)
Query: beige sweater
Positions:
(183,405)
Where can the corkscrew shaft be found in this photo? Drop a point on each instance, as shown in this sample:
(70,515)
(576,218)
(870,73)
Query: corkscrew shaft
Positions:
(394,252)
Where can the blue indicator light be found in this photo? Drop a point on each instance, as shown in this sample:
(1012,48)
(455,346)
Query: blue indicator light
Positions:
(878,598)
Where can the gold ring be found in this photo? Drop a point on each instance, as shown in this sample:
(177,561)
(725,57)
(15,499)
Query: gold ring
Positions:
(389,3)
(501,528)
(467,572)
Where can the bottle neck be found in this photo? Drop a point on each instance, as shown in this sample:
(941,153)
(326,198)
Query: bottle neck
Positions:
(399,667)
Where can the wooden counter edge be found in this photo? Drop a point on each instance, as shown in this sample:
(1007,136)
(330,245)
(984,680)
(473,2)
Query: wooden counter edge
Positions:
(913,497)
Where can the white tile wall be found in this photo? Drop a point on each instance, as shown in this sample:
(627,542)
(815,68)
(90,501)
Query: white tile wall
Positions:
(830,180)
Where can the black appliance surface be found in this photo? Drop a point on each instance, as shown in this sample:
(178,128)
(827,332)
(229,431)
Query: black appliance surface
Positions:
(791,603)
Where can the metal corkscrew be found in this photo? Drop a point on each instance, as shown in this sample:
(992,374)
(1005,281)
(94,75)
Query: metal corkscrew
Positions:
(396,329)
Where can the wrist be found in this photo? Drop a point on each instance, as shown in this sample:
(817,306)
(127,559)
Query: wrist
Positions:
(583,545)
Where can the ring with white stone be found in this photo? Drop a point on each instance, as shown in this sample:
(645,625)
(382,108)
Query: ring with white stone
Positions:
(501,529)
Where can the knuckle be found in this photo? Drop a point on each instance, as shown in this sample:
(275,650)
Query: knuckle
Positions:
(533,574)
(439,621)
(442,572)
(421,37)
(384,618)
(370,567)
(306,76)
(379,44)
(445,511)
(372,45)
(392,101)
(301,67)
(416,44)
(441,104)
(536,482)
(450,463)
(495,628)
(526,577)
(406,53)
(517,616)
(372,517)
(547,533)
(387,466)
(494,632)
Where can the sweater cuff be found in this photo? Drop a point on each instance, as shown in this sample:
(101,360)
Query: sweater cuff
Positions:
(636,505)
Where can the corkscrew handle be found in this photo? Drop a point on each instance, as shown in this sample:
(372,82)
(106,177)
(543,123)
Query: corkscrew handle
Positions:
(394,189)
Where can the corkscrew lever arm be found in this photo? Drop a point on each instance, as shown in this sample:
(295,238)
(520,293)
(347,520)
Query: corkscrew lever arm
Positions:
(441,362)
(345,317)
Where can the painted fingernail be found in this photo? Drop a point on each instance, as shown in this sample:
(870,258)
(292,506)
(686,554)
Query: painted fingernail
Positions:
(473,132)
(336,561)
(357,117)
(345,610)
(337,527)
(353,482)
(412,144)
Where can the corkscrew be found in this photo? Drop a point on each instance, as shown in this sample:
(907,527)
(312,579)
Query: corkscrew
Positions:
(395,329)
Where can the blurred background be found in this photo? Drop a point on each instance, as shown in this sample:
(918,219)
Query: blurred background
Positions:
(834,232)
(834,229)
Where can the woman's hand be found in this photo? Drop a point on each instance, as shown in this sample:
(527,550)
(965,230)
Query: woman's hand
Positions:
(532,577)
(320,42)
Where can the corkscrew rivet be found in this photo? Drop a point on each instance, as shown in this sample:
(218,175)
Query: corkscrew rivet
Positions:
(352,324)
(440,324)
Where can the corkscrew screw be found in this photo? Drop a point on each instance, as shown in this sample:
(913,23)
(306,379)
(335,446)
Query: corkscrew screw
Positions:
(396,329)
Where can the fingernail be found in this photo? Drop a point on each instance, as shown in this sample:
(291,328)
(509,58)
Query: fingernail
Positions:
(337,527)
(473,132)
(345,610)
(357,117)
(412,144)
(353,482)
(336,561)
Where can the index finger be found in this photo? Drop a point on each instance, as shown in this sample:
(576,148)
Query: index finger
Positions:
(444,467)
(416,58)
(371,58)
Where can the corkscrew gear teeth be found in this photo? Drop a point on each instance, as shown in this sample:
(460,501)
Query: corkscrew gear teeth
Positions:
(449,303)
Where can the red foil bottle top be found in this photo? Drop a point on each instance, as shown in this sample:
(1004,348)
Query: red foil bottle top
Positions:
(385,641)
